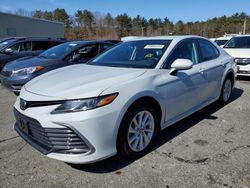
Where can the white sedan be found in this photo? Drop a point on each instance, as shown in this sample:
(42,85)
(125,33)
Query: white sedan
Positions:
(119,101)
(239,48)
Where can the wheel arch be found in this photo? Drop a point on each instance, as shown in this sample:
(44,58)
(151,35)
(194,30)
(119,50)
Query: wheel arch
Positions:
(151,97)
(231,75)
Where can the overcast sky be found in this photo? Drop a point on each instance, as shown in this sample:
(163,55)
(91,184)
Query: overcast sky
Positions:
(185,10)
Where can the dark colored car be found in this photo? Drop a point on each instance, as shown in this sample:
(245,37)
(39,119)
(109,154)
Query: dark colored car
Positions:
(17,73)
(17,47)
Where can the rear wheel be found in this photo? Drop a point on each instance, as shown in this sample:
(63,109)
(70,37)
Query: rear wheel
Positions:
(226,91)
(138,131)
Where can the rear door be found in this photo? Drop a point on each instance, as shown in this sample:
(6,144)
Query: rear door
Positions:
(211,67)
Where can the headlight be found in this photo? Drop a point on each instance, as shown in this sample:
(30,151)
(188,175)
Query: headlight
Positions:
(242,60)
(84,104)
(27,71)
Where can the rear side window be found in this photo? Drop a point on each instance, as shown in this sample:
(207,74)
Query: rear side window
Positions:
(106,46)
(184,50)
(207,50)
(21,47)
(55,43)
(221,42)
(42,45)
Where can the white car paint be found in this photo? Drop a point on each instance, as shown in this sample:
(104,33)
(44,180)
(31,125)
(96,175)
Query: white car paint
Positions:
(185,93)
(241,53)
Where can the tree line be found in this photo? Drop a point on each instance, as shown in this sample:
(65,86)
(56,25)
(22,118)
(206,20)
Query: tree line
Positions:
(85,24)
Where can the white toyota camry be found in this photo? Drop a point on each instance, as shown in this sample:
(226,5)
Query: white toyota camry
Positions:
(119,101)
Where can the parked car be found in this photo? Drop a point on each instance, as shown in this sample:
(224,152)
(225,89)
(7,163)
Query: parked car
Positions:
(119,101)
(239,48)
(17,73)
(221,41)
(17,47)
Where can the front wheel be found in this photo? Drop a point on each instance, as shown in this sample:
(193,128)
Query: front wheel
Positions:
(226,91)
(138,131)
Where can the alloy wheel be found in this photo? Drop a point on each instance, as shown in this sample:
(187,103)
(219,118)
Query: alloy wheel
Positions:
(227,89)
(141,130)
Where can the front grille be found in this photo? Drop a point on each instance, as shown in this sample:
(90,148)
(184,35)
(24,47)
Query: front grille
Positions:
(242,64)
(6,73)
(59,140)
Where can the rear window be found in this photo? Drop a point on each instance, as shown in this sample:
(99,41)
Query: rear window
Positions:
(238,42)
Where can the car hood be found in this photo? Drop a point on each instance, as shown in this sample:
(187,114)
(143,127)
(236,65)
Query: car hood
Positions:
(80,81)
(27,62)
(238,53)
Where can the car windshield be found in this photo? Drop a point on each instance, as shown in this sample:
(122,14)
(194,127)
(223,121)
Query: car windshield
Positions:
(221,42)
(59,51)
(238,42)
(133,54)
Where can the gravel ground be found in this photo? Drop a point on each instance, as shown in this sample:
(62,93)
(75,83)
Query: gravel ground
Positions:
(208,149)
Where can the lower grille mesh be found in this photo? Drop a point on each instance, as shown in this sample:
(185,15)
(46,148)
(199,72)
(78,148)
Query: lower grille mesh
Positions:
(59,140)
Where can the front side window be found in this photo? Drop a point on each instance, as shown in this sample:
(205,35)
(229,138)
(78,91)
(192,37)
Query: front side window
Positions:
(87,52)
(133,54)
(238,42)
(185,50)
(21,47)
(207,50)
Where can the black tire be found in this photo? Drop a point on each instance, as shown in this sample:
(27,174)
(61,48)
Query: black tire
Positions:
(223,99)
(123,147)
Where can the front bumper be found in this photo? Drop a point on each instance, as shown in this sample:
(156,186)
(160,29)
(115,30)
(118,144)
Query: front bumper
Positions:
(13,84)
(243,70)
(47,140)
(96,128)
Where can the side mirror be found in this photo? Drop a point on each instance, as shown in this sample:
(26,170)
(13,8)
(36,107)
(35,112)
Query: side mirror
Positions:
(180,64)
(75,57)
(8,51)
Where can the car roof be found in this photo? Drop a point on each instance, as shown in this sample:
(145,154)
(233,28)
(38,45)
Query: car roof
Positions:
(170,37)
(175,38)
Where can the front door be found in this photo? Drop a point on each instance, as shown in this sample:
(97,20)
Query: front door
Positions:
(183,91)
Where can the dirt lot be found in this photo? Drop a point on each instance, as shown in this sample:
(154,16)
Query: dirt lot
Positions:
(209,149)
